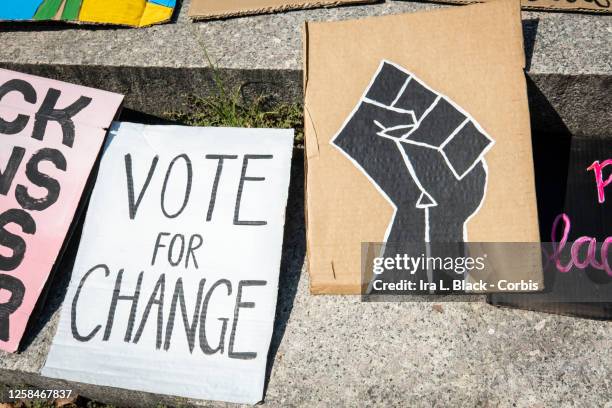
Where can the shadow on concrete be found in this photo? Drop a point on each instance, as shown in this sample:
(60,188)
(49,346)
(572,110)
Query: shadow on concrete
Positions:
(294,251)
(26,26)
(530,30)
(55,289)
(130,115)
(551,142)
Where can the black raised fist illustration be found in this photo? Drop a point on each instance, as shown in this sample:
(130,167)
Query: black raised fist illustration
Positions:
(422,151)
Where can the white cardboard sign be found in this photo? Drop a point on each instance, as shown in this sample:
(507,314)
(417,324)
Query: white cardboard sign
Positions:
(175,282)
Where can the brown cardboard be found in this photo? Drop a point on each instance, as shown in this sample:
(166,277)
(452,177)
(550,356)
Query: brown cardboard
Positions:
(473,55)
(588,6)
(211,9)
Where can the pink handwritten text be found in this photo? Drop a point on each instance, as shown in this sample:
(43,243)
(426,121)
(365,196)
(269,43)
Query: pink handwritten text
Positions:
(599,181)
(563,224)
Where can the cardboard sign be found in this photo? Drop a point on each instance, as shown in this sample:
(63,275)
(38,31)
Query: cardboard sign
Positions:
(427,142)
(576,213)
(135,13)
(51,134)
(589,6)
(210,9)
(175,282)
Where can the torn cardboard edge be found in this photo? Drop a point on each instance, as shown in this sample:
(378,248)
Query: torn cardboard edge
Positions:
(583,6)
(201,10)
(307,118)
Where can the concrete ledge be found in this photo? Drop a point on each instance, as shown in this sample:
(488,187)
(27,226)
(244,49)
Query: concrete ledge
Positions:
(158,67)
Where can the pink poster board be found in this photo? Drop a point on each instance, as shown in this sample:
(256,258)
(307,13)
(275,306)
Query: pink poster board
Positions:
(51,133)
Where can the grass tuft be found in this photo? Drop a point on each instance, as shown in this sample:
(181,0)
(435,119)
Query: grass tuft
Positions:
(235,111)
(228,107)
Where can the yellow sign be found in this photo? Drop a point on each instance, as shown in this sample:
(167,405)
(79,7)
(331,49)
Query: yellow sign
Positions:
(134,13)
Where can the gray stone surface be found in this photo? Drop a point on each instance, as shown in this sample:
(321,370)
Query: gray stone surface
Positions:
(570,59)
(337,351)
(565,43)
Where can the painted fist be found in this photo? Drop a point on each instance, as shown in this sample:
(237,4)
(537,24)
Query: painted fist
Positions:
(422,151)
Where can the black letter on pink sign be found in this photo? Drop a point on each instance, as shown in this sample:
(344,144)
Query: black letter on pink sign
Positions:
(12,241)
(17,290)
(49,112)
(8,175)
(42,180)
(29,95)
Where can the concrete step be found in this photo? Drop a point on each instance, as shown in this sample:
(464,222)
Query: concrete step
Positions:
(569,59)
